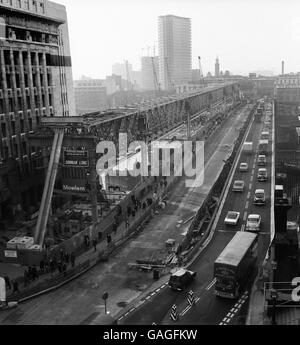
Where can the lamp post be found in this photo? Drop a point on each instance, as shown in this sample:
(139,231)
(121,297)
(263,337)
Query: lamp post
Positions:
(274,296)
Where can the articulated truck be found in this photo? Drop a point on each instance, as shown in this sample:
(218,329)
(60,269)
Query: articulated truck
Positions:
(236,265)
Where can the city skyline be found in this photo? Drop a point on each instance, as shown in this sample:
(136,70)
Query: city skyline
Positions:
(247,38)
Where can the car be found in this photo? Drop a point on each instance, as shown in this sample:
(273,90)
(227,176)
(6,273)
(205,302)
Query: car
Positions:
(262,160)
(238,186)
(262,175)
(253,223)
(181,279)
(259,197)
(232,218)
(244,167)
(292,226)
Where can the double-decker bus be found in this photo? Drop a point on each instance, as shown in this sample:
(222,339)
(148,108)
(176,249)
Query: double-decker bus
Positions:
(236,265)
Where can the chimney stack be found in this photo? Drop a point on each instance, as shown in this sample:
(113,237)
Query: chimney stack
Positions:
(282,68)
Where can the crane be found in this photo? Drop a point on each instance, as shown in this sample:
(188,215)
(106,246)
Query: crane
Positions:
(156,83)
(202,82)
(168,73)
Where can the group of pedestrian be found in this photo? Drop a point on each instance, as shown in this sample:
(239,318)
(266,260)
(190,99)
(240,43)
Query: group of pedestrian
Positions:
(30,275)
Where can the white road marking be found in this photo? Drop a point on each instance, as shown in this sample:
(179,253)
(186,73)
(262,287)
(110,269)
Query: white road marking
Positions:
(250,186)
(197,299)
(248,196)
(211,284)
(245,216)
(243,228)
(251,179)
(121,318)
(247,205)
(148,297)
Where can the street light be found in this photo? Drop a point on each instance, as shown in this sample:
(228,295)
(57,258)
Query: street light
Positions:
(274,296)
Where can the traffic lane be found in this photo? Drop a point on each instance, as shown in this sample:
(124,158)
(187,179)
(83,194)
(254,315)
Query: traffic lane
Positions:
(158,308)
(180,300)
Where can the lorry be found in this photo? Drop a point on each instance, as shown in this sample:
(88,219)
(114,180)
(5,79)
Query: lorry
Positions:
(236,265)
(263,147)
(248,148)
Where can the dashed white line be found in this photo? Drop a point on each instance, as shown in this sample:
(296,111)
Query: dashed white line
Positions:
(245,216)
(148,297)
(250,186)
(251,179)
(248,196)
(247,205)
(211,284)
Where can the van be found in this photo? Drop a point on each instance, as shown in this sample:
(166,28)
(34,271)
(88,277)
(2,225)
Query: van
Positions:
(262,175)
(259,197)
(262,160)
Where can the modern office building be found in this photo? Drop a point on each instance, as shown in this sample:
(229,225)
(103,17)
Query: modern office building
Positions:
(35,81)
(123,69)
(175,50)
(150,73)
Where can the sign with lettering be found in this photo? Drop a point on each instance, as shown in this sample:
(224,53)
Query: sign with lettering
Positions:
(10,254)
(74,185)
(76,158)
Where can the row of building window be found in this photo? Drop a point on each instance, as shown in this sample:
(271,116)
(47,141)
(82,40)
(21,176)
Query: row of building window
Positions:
(38,6)
(19,106)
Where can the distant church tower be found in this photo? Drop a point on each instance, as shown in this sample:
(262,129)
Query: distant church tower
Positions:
(217,68)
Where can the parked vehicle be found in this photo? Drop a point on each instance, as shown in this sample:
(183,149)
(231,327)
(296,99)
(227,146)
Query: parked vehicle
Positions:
(236,264)
(238,186)
(259,197)
(232,218)
(253,223)
(181,279)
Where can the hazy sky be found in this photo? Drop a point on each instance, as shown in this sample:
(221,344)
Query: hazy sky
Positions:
(247,35)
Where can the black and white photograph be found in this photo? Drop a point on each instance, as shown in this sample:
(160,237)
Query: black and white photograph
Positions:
(149,166)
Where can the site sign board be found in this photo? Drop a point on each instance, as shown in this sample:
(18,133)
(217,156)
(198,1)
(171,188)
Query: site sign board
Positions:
(76,158)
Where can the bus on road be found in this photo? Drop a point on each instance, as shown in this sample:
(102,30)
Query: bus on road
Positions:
(236,265)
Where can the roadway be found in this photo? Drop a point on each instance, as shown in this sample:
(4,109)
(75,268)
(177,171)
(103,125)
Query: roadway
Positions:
(210,310)
(81,300)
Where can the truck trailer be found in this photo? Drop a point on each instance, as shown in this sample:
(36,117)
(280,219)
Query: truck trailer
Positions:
(236,265)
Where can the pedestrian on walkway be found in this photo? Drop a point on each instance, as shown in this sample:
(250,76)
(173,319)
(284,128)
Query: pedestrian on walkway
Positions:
(61,252)
(26,278)
(51,264)
(95,244)
(42,267)
(15,287)
(67,258)
(127,223)
(29,274)
(7,282)
(73,259)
